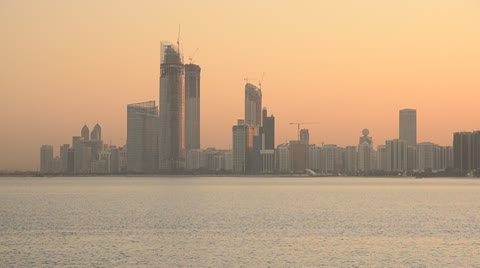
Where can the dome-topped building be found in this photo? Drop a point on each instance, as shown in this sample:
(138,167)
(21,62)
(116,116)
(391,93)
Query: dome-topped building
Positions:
(365,137)
(365,151)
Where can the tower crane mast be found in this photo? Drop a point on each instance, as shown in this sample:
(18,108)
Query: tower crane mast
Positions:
(301,123)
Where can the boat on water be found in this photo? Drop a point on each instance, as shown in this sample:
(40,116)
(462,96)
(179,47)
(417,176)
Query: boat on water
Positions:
(312,173)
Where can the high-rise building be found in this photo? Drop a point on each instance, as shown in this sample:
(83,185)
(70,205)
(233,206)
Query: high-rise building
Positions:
(46,158)
(172,108)
(408,126)
(64,157)
(314,157)
(329,158)
(396,155)
(426,156)
(284,164)
(446,157)
(350,160)
(253,105)
(381,158)
(253,159)
(192,106)
(268,130)
(298,156)
(96,134)
(304,136)
(411,157)
(82,154)
(466,150)
(229,160)
(239,140)
(85,133)
(142,137)
(365,152)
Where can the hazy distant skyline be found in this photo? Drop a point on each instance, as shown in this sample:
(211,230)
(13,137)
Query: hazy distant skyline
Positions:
(348,64)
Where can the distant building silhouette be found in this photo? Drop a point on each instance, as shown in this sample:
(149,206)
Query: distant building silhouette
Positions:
(64,157)
(329,158)
(267,142)
(466,150)
(172,108)
(298,156)
(192,106)
(142,137)
(268,130)
(350,160)
(365,152)
(284,164)
(96,133)
(85,133)
(239,139)
(381,158)
(396,155)
(46,158)
(304,136)
(253,105)
(408,126)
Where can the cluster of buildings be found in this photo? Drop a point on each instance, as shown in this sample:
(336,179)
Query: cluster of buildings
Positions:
(158,138)
(396,156)
(86,154)
(166,139)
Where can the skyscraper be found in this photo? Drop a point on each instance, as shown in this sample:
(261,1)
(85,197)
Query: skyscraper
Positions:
(64,157)
(46,158)
(267,143)
(304,136)
(172,107)
(365,151)
(253,105)
(298,153)
(142,137)
(350,160)
(85,133)
(408,126)
(268,130)
(239,138)
(466,150)
(284,163)
(96,134)
(192,106)
(396,155)
(426,156)
(381,158)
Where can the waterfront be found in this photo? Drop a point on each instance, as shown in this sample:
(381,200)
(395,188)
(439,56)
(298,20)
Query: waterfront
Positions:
(240,221)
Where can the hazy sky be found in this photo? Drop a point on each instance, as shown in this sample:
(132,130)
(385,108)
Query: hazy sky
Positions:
(348,64)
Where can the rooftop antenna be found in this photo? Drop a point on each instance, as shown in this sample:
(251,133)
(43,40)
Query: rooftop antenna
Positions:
(178,38)
(178,44)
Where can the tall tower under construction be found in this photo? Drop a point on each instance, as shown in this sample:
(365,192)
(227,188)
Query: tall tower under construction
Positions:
(253,105)
(172,108)
(192,106)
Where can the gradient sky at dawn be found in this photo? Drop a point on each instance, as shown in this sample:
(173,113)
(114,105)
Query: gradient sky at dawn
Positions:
(348,64)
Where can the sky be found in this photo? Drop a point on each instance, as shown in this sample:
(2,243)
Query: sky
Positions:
(346,64)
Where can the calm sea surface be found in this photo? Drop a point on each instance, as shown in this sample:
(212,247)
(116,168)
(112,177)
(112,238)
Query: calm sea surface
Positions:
(239,222)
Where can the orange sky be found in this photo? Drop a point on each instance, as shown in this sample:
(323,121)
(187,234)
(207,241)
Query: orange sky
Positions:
(349,64)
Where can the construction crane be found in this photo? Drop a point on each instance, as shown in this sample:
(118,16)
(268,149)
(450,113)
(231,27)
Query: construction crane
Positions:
(261,80)
(193,56)
(247,79)
(302,123)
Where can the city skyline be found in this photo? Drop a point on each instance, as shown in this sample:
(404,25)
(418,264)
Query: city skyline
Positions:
(353,87)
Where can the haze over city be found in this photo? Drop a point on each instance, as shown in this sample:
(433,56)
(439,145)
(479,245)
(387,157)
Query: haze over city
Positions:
(348,64)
